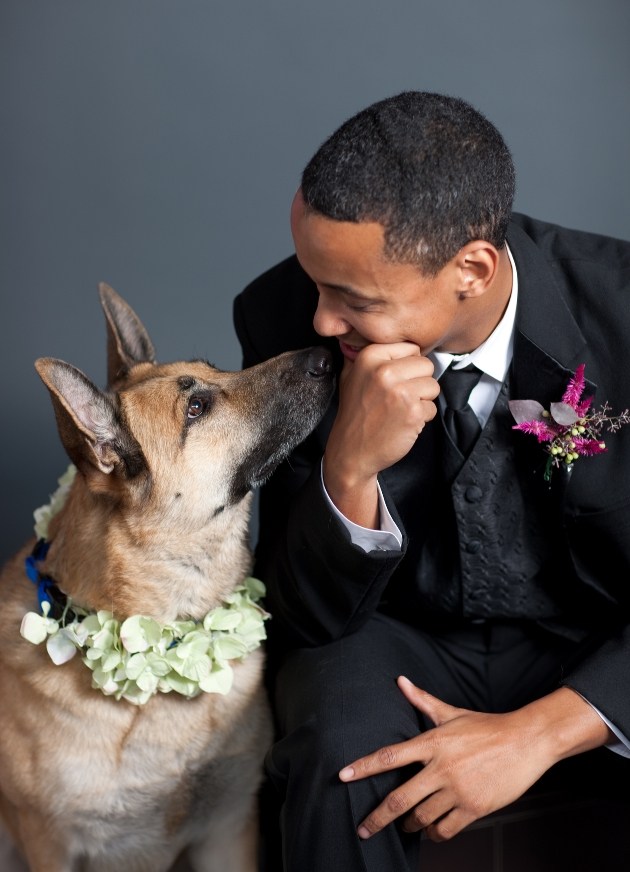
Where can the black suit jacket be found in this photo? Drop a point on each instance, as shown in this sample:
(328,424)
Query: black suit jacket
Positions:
(573,308)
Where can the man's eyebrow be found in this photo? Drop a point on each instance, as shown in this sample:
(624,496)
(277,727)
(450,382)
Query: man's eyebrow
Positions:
(348,291)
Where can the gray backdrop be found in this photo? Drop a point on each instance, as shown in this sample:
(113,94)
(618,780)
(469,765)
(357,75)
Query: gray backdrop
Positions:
(156,145)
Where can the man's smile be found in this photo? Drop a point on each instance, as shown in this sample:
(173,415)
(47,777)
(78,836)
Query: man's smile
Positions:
(349,351)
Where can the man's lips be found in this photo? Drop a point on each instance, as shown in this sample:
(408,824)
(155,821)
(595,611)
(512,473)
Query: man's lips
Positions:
(349,351)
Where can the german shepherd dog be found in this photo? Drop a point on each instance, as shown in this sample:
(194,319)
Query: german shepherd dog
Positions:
(104,770)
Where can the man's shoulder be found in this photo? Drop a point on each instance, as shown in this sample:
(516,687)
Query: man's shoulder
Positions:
(284,279)
(558,243)
(274,312)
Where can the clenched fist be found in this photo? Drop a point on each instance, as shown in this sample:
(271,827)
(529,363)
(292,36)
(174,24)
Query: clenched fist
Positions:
(386,396)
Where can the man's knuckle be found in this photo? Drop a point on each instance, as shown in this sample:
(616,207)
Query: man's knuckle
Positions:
(420,817)
(387,757)
(478,806)
(442,831)
(387,377)
(429,409)
(374,823)
(397,802)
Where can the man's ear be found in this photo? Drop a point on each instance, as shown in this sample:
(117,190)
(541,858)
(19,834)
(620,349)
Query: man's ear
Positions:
(477,264)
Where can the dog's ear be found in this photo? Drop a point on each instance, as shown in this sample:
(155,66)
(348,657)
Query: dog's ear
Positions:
(128,342)
(88,423)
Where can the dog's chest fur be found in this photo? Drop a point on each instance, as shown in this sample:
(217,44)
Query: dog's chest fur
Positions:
(120,780)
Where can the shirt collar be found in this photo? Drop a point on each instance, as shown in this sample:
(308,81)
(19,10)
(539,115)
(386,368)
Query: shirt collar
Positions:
(494,355)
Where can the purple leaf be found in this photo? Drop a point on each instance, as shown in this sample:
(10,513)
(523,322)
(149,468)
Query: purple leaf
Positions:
(564,414)
(525,410)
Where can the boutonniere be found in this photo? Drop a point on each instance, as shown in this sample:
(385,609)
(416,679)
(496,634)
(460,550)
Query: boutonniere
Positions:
(569,428)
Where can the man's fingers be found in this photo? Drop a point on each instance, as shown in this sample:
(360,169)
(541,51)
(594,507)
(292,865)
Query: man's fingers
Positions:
(397,803)
(449,825)
(435,814)
(401,360)
(426,813)
(385,759)
(402,753)
(415,750)
(437,711)
(392,351)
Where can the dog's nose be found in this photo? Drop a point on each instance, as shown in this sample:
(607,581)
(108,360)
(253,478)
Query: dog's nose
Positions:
(318,362)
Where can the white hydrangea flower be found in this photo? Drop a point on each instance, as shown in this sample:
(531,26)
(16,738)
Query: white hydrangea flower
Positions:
(139,657)
(44,514)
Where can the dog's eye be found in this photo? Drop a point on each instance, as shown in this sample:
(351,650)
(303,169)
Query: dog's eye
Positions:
(196,407)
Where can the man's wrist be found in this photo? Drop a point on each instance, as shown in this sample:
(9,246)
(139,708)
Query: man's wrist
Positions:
(356,497)
(566,724)
(387,538)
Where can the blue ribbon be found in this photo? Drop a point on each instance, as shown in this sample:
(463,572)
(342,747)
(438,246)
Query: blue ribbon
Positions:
(43,582)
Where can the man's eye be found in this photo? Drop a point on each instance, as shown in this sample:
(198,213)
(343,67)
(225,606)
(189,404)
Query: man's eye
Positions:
(362,305)
(196,407)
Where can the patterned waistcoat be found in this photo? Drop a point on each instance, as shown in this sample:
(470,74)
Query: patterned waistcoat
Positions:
(482,535)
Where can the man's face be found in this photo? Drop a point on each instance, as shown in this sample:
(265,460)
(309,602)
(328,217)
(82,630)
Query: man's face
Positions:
(366,299)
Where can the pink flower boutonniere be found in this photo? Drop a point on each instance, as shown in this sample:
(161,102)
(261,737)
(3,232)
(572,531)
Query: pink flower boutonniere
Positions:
(569,429)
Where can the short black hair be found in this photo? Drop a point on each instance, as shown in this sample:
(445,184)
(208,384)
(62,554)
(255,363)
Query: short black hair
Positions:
(430,168)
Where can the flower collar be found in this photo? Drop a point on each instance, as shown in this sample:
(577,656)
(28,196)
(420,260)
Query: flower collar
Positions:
(569,430)
(139,657)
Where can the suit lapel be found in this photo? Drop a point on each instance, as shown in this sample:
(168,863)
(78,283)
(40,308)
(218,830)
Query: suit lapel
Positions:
(548,343)
(548,347)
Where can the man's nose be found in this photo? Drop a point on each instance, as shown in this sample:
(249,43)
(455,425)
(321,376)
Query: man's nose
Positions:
(328,322)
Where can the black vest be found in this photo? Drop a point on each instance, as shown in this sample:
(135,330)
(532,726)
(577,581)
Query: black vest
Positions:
(483,538)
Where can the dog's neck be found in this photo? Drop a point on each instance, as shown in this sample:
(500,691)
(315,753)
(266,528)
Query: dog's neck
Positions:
(136,563)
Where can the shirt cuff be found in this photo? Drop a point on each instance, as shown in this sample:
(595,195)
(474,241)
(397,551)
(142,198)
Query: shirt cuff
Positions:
(622,746)
(388,538)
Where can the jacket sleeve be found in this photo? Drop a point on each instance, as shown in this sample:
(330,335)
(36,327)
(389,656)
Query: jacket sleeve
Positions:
(600,552)
(320,585)
(601,678)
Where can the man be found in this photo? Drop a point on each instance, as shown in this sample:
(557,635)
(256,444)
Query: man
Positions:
(445,625)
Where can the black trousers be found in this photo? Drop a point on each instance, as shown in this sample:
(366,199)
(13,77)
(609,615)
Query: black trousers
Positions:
(340,701)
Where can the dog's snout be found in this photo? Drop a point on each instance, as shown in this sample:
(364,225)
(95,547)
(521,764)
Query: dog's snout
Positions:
(318,362)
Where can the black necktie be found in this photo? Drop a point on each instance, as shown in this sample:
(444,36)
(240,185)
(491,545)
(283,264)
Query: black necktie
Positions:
(460,420)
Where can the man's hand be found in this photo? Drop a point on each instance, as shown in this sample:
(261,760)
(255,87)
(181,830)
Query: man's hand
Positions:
(386,396)
(474,763)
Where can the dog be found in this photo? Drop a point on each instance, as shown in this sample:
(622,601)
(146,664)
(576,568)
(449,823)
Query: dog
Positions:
(115,767)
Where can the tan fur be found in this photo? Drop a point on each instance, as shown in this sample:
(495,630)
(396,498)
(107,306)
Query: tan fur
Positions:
(156,524)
